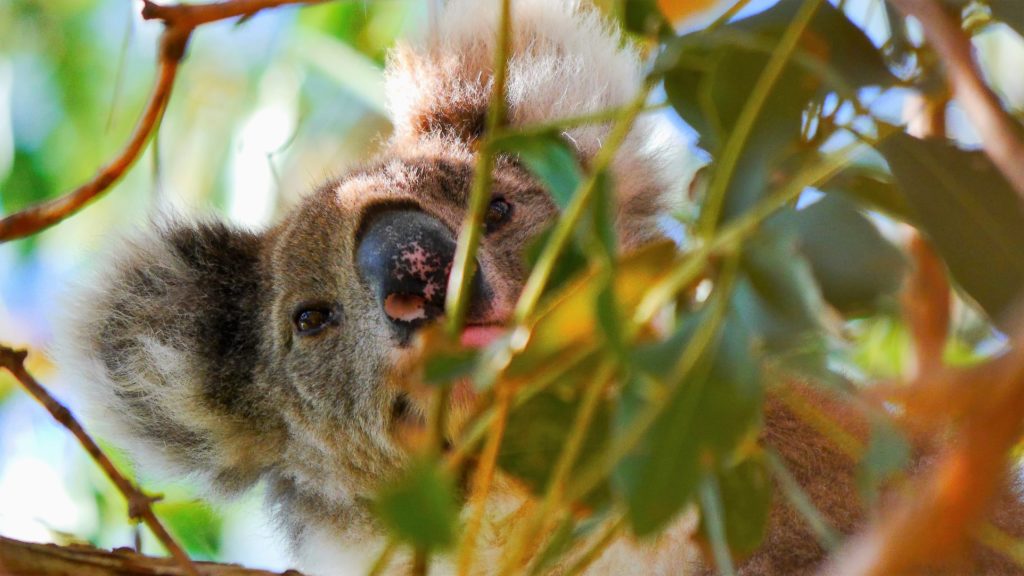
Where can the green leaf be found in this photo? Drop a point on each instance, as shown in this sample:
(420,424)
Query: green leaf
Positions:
(853,264)
(644,17)
(712,74)
(706,418)
(420,506)
(969,211)
(871,187)
(550,158)
(569,320)
(746,495)
(888,453)
(537,430)
(196,525)
(447,366)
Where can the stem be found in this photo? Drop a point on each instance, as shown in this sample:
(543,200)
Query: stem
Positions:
(483,480)
(711,506)
(464,266)
(600,545)
(139,504)
(737,140)
(554,497)
(826,534)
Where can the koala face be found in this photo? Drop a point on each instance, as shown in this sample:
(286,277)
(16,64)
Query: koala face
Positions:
(360,266)
(286,355)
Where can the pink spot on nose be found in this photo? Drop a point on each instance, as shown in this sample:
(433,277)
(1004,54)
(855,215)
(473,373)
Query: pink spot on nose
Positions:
(405,308)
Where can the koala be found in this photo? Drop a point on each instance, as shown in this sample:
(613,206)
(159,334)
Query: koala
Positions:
(235,356)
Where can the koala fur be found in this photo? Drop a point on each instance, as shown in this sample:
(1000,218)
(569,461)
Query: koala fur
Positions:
(187,343)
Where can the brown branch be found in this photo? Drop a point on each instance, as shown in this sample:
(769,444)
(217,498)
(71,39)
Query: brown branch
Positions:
(46,214)
(934,523)
(139,504)
(180,20)
(190,16)
(927,296)
(1000,136)
(21,558)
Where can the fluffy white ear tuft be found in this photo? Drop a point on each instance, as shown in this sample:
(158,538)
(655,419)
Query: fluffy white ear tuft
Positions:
(566,60)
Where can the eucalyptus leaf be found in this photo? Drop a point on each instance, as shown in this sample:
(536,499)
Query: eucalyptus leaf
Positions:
(703,421)
(746,494)
(550,158)
(711,75)
(969,211)
(420,507)
(853,264)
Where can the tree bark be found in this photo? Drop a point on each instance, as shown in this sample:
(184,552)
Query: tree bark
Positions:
(27,559)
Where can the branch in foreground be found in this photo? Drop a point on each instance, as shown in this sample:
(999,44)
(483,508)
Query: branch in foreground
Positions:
(49,559)
(139,504)
(999,134)
(933,525)
(180,20)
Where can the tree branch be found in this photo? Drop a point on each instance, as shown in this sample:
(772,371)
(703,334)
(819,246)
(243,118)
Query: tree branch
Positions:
(42,559)
(1000,136)
(180,20)
(933,525)
(139,504)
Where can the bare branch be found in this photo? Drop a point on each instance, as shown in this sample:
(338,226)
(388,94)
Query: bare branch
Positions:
(139,504)
(46,214)
(934,523)
(42,559)
(1000,136)
(179,22)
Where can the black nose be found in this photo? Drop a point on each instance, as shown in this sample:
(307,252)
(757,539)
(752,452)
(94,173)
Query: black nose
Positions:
(406,255)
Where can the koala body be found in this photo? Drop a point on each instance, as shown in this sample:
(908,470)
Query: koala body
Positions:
(282,355)
(234,356)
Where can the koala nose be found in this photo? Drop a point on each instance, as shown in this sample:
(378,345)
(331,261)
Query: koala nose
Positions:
(406,256)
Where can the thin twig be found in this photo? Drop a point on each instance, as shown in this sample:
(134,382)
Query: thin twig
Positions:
(46,214)
(737,140)
(1000,137)
(139,504)
(483,479)
(180,20)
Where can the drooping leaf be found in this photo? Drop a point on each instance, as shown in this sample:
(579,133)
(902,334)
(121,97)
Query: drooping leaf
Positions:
(778,296)
(711,76)
(420,506)
(871,187)
(888,452)
(853,264)
(969,211)
(550,159)
(537,430)
(746,494)
(703,421)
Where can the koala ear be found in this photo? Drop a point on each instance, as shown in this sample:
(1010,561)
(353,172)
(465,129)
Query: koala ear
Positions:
(167,346)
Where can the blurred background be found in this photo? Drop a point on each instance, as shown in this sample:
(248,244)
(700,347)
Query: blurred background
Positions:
(261,113)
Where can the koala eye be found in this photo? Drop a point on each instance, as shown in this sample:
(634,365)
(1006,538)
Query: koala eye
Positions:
(499,212)
(311,319)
